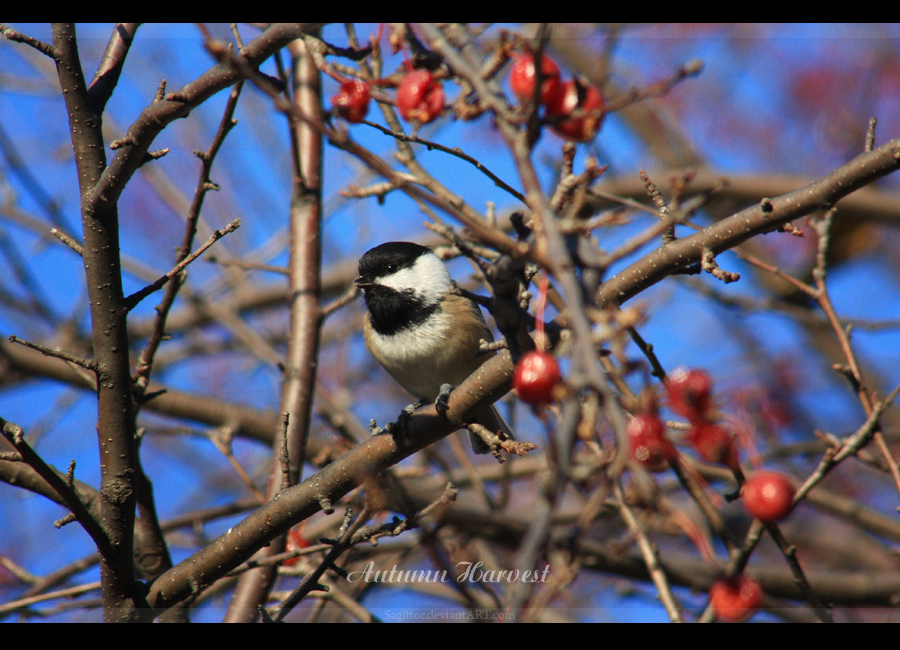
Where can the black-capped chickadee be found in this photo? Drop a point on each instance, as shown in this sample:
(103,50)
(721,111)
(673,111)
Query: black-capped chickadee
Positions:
(422,334)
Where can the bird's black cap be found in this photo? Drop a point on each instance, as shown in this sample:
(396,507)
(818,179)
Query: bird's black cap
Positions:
(388,258)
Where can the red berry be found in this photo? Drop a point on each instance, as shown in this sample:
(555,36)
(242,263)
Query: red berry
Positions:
(522,77)
(295,541)
(419,97)
(736,599)
(768,496)
(352,102)
(537,374)
(649,444)
(690,394)
(714,444)
(568,97)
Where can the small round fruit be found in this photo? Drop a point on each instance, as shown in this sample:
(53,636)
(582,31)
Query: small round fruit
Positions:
(294,541)
(768,496)
(649,444)
(420,98)
(352,102)
(523,73)
(565,101)
(537,375)
(690,393)
(736,599)
(714,444)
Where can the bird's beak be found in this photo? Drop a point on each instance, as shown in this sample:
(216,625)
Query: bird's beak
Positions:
(362,282)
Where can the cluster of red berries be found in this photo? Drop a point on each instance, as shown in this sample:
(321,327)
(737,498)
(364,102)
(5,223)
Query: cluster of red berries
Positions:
(574,109)
(420,98)
(690,396)
(768,496)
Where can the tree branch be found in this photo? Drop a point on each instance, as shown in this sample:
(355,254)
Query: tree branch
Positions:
(67,494)
(730,232)
(298,503)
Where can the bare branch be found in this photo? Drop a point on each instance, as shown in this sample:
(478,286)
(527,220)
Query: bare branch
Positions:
(44,48)
(738,228)
(134,299)
(65,356)
(16,437)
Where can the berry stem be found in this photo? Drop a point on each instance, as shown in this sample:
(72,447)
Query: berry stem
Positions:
(543,287)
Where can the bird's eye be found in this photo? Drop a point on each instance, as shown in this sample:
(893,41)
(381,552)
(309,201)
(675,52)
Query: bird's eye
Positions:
(392,267)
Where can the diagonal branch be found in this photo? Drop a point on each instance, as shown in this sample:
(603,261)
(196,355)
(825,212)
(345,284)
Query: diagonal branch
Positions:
(44,48)
(88,364)
(107,74)
(144,364)
(132,301)
(757,220)
(155,117)
(453,151)
(301,501)
(16,437)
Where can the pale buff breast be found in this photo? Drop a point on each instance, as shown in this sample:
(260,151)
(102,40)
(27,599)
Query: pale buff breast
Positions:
(433,354)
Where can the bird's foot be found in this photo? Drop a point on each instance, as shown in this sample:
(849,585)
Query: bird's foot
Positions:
(442,402)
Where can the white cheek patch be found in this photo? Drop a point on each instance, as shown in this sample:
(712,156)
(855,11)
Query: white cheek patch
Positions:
(428,277)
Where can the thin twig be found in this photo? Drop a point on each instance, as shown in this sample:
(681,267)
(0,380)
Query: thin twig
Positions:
(311,581)
(345,299)
(40,46)
(690,69)
(144,365)
(14,434)
(221,437)
(454,151)
(68,240)
(70,592)
(790,554)
(88,364)
(134,299)
(870,135)
(651,559)
(823,298)
(250,266)
(849,446)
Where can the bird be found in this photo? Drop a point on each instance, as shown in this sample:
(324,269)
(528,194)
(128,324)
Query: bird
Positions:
(423,334)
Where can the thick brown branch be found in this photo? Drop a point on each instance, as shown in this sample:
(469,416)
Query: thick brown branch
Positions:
(107,74)
(115,408)
(740,227)
(378,453)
